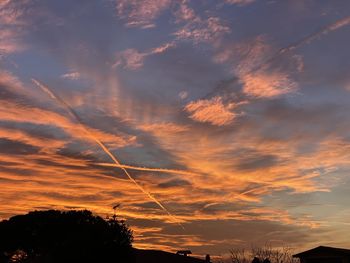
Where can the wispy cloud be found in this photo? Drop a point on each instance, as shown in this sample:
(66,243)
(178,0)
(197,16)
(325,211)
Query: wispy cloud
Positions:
(239,2)
(183,94)
(199,30)
(11,26)
(184,12)
(324,31)
(259,78)
(130,59)
(212,111)
(71,75)
(140,13)
(211,126)
(103,146)
(133,59)
(268,85)
(190,27)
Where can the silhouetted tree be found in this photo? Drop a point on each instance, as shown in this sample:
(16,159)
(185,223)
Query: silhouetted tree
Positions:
(267,252)
(72,236)
(239,256)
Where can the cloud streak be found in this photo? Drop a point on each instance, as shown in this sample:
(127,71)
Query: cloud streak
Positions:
(262,154)
(133,59)
(146,169)
(212,111)
(103,147)
(308,39)
(140,13)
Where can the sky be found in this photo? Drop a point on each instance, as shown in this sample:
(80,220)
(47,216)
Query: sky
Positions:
(215,124)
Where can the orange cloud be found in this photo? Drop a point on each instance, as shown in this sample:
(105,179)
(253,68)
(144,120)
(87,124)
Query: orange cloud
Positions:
(251,63)
(19,113)
(267,84)
(212,159)
(210,172)
(212,111)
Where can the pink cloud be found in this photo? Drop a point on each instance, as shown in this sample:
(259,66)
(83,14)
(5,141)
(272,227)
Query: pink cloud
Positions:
(71,75)
(138,13)
(197,30)
(130,59)
(212,111)
(10,27)
(244,56)
(251,62)
(133,59)
(267,84)
(184,12)
(8,79)
(141,13)
(239,2)
(162,48)
(11,13)
(183,94)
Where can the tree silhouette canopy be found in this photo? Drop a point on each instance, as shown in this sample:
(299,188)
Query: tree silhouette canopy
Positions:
(71,236)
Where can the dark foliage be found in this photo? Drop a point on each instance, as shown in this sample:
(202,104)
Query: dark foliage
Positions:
(72,236)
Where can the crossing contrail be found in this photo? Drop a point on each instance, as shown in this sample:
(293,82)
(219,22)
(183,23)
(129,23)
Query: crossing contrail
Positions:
(329,28)
(73,114)
(306,40)
(147,169)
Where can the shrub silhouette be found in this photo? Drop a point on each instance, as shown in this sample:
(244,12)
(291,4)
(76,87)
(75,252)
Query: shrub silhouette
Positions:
(56,236)
(263,254)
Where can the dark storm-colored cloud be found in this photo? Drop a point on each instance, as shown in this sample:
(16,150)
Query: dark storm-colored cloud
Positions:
(17,170)
(6,94)
(8,164)
(255,161)
(223,235)
(298,113)
(69,150)
(249,231)
(286,119)
(148,205)
(146,145)
(174,183)
(51,163)
(15,147)
(83,197)
(40,131)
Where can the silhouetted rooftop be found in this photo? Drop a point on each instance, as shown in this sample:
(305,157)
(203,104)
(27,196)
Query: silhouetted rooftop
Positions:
(323,250)
(157,256)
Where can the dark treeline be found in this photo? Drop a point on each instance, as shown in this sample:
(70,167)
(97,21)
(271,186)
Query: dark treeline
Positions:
(80,237)
(57,237)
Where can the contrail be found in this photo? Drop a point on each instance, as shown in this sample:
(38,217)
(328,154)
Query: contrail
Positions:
(306,40)
(237,196)
(147,169)
(73,114)
(329,28)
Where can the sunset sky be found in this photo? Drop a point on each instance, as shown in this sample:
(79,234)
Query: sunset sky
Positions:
(231,117)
